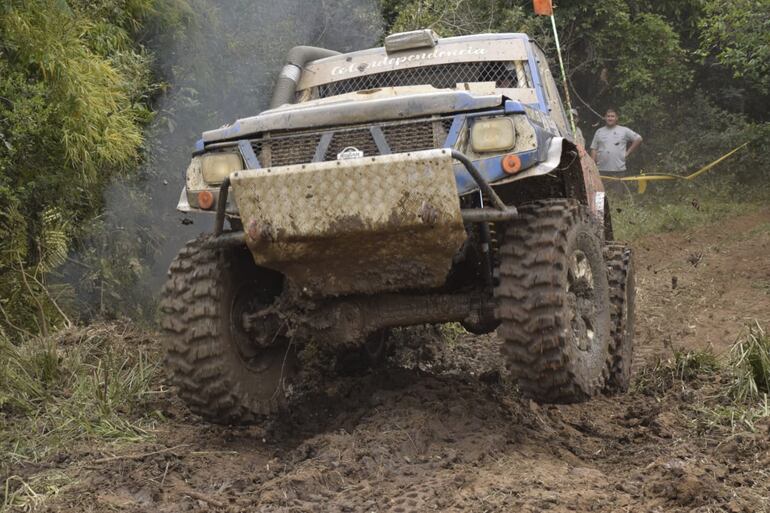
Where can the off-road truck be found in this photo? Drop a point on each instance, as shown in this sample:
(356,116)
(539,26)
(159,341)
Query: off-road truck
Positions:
(428,181)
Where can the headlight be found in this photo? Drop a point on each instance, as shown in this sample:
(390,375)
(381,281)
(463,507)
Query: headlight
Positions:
(488,135)
(215,167)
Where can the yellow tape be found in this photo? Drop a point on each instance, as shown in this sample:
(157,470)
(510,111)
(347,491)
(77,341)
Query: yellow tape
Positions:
(644,179)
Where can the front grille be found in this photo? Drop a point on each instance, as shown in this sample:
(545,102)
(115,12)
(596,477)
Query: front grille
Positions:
(285,151)
(416,137)
(360,138)
(401,137)
(441,76)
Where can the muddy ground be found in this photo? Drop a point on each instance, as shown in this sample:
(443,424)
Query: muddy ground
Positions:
(447,433)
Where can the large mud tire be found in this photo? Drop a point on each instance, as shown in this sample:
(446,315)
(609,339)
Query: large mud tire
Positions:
(553,302)
(620,273)
(205,353)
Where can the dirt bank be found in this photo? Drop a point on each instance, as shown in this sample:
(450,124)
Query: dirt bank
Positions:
(451,434)
(698,289)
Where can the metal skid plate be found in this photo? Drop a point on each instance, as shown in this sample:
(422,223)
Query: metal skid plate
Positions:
(363,225)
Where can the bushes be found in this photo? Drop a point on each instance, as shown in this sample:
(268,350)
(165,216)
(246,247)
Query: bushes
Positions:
(74,98)
(91,73)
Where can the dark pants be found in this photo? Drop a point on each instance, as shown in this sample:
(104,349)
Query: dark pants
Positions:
(617,186)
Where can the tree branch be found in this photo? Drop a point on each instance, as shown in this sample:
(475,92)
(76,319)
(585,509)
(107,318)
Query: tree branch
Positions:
(41,310)
(67,321)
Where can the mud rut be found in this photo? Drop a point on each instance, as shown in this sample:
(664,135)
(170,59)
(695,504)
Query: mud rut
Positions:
(445,432)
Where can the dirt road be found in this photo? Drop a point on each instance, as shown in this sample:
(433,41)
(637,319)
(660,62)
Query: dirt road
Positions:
(452,436)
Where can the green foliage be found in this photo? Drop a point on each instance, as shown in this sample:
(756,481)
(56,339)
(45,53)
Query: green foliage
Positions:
(738,406)
(736,33)
(86,67)
(27,301)
(662,63)
(451,332)
(746,399)
(649,58)
(691,364)
(683,366)
(449,17)
(75,91)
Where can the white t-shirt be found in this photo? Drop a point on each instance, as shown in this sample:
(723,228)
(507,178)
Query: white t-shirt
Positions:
(611,145)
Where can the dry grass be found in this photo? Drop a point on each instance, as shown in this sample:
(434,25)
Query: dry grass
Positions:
(750,363)
(92,385)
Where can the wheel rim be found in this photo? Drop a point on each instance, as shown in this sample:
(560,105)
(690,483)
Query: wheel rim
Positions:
(581,298)
(259,343)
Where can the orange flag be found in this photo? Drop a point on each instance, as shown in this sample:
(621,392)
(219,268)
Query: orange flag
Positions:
(543,7)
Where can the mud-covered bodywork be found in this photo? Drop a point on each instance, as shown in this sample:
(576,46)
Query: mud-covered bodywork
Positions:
(354,226)
(340,190)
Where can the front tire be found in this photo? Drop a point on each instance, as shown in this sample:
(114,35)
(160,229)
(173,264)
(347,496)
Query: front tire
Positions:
(553,302)
(223,372)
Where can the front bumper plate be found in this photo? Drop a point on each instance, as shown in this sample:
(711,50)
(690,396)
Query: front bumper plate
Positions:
(357,226)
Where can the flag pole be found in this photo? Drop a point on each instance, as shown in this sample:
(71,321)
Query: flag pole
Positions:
(563,74)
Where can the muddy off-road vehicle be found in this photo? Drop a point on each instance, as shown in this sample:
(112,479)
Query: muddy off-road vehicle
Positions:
(428,181)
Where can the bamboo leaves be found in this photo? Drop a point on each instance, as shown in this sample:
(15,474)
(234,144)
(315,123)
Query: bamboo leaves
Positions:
(75,88)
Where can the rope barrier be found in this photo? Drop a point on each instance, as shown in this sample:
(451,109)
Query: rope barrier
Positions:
(644,179)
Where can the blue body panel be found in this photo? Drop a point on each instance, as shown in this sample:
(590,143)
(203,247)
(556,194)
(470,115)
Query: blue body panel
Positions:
(491,167)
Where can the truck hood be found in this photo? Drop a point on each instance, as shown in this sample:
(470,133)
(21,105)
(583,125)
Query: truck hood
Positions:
(347,111)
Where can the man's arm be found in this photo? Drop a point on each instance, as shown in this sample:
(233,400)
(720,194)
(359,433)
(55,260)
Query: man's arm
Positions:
(594,145)
(634,146)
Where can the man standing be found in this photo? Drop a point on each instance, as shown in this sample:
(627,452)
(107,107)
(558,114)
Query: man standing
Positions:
(611,147)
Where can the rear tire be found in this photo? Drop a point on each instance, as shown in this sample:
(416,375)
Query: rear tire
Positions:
(620,273)
(553,302)
(222,372)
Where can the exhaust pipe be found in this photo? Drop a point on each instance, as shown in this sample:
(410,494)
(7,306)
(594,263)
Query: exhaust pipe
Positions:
(286,85)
